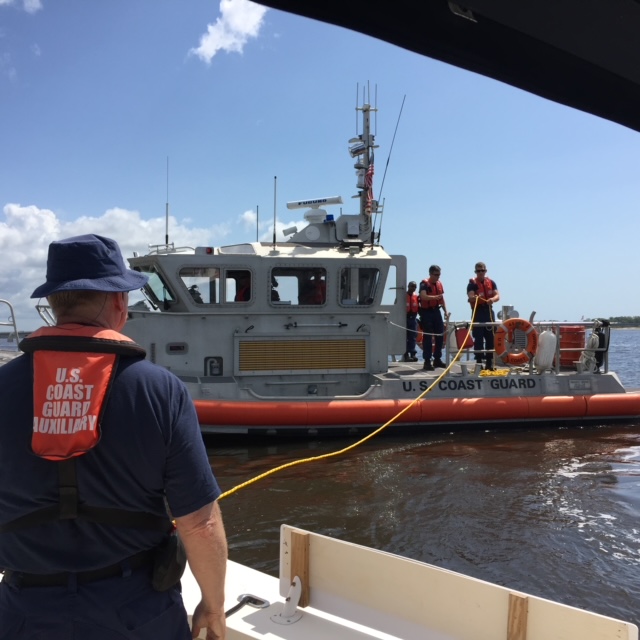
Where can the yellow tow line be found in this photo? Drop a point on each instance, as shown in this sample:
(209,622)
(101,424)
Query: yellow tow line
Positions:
(359,442)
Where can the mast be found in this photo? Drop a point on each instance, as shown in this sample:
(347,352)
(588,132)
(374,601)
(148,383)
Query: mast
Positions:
(362,150)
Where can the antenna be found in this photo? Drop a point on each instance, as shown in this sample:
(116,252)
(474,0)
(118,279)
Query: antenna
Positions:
(275,181)
(357,99)
(391,147)
(257,221)
(375,109)
(166,210)
(387,165)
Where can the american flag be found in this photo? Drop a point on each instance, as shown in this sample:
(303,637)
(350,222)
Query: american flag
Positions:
(368,183)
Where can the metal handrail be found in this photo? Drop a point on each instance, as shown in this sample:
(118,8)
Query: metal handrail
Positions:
(11,320)
(540,326)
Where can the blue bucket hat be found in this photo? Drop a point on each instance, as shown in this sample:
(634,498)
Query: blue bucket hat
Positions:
(87,263)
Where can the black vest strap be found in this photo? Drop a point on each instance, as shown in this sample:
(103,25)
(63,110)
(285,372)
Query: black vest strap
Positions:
(69,508)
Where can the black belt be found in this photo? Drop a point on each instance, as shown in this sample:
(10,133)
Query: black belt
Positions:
(135,561)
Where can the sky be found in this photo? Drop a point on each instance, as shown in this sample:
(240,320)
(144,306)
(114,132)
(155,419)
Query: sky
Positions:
(228,110)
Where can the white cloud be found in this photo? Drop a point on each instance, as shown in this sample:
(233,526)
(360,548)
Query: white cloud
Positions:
(30,6)
(249,220)
(239,21)
(6,65)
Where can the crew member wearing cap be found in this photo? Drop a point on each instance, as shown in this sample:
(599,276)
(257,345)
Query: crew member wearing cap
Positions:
(431,301)
(482,293)
(100,450)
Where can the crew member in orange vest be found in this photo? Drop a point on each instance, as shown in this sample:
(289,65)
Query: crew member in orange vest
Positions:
(485,292)
(412,323)
(243,287)
(314,290)
(431,300)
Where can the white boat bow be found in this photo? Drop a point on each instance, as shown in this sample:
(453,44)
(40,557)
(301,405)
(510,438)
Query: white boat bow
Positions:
(355,592)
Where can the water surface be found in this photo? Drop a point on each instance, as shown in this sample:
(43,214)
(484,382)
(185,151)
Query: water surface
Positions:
(552,512)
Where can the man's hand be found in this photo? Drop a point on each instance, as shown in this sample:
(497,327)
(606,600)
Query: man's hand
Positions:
(213,621)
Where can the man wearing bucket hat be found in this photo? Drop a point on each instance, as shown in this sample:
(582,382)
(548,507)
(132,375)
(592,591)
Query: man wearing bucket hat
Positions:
(102,464)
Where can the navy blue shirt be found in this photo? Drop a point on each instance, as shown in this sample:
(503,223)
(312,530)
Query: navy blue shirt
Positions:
(151,455)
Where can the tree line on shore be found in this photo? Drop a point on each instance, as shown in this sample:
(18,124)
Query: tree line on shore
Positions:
(625,320)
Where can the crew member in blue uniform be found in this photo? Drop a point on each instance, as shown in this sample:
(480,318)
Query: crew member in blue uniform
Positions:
(431,301)
(484,291)
(105,484)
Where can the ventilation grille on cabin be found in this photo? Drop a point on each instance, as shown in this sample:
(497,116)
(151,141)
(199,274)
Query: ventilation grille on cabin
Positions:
(279,355)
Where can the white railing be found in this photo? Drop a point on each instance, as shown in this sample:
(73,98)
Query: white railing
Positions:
(10,321)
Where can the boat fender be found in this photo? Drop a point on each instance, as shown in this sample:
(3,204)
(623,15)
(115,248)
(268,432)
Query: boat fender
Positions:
(543,360)
(504,347)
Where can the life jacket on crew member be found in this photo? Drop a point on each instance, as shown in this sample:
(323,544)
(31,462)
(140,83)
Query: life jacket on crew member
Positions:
(432,289)
(486,290)
(412,303)
(73,369)
(319,294)
(315,292)
(243,295)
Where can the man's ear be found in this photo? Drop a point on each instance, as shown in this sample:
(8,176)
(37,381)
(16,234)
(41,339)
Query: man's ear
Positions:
(121,300)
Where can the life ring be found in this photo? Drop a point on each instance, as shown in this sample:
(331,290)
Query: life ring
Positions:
(504,347)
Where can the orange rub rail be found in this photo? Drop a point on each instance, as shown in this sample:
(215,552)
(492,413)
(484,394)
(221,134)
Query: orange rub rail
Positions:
(377,412)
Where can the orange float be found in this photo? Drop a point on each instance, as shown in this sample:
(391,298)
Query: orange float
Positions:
(369,414)
(504,341)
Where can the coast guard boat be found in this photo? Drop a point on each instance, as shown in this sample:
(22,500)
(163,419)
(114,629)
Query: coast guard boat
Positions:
(302,337)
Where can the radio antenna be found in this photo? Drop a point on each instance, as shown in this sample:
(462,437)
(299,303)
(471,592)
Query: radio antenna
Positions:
(257,221)
(391,147)
(389,158)
(357,103)
(275,181)
(166,210)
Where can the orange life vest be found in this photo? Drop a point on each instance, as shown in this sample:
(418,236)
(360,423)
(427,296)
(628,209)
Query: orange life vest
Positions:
(486,290)
(243,295)
(432,289)
(412,303)
(73,369)
(316,292)
(74,366)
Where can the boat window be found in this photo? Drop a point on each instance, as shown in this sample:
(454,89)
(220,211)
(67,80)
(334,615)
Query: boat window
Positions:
(298,286)
(202,283)
(358,285)
(156,288)
(237,285)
